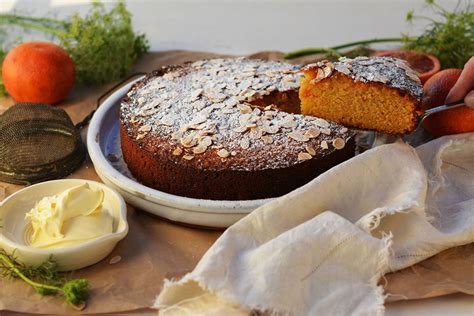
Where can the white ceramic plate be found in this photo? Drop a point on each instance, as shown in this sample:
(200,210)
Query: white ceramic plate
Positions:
(14,228)
(103,143)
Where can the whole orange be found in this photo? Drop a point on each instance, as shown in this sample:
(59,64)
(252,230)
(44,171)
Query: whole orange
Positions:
(38,72)
(454,121)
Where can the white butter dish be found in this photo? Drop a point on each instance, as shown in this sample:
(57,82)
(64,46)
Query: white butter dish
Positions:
(15,230)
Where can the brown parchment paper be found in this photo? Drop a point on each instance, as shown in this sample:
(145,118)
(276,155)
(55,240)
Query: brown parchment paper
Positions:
(156,249)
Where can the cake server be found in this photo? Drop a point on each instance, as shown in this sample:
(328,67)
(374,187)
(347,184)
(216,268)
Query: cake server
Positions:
(438,109)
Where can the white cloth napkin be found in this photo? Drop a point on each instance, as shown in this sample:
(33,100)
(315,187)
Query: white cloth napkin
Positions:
(322,248)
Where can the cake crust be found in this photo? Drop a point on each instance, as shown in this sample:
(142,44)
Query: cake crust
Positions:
(200,130)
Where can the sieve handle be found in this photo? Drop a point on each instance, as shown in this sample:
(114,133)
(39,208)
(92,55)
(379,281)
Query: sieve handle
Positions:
(85,121)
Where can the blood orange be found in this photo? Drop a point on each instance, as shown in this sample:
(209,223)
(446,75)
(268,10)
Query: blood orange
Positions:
(426,65)
(38,72)
(454,121)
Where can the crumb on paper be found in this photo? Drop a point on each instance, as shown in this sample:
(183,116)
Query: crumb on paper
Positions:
(115,259)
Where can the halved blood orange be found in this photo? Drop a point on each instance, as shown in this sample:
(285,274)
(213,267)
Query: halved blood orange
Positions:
(425,64)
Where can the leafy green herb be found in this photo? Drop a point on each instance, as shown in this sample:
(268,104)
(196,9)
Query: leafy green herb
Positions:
(102,44)
(450,38)
(45,279)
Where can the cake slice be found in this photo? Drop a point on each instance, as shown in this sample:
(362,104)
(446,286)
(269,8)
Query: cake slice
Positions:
(376,93)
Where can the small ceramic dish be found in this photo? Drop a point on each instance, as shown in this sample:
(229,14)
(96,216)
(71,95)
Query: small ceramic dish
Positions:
(15,230)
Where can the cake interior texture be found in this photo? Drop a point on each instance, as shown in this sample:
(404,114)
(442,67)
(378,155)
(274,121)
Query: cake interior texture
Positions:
(377,94)
(365,105)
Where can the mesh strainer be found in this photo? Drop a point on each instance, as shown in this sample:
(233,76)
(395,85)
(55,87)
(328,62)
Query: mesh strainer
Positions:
(38,142)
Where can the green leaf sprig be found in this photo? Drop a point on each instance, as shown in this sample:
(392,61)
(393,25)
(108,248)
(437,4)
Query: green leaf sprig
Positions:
(450,37)
(102,44)
(45,279)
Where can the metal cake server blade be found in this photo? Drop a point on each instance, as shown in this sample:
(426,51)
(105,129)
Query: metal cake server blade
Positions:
(438,109)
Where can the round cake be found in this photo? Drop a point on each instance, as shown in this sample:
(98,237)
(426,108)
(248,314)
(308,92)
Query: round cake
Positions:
(226,129)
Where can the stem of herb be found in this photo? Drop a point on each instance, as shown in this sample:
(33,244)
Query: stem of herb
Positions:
(335,49)
(34,284)
(13,19)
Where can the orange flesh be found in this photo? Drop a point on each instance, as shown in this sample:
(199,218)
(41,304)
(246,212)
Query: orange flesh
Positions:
(363,105)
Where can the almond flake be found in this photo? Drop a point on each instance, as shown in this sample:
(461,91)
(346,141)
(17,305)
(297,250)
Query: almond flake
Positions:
(321,123)
(176,135)
(324,145)
(338,143)
(244,108)
(298,136)
(199,149)
(267,139)
(145,128)
(178,151)
(343,130)
(312,132)
(188,141)
(233,153)
(133,119)
(195,94)
(140,136)
(268,108)
(188,157)
(326,131)
(304,156)
(245,143)
(240,129)
(310,150)
(223,153)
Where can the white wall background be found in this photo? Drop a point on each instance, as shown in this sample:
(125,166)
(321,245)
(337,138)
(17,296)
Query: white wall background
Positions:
(247,26)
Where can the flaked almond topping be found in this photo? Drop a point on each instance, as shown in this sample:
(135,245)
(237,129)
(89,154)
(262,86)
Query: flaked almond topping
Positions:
(188,157)
(343,130)
(233,153)
(245,143)
(244,108)
(196,93)
(167,121)
(312,132)
(321,123)
(240,129)
(298,136)
(140,136)
(145,128)
(310,150)
(178,151)
(255,132)
(176,135)
(271,129)
(304,156)
(324,145)
(268,107)
(205,141)
(188,141)
(199,149)
(338,143)
(326,131)
(223,153)
(115,259)
(267,139)
(133,119)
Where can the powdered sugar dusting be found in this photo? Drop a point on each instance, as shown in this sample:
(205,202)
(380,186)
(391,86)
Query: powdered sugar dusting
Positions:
(393,72)
(204,109)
